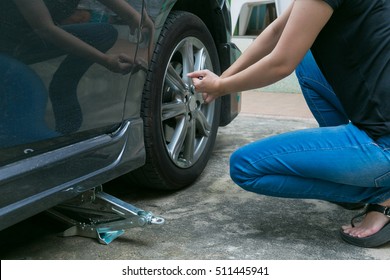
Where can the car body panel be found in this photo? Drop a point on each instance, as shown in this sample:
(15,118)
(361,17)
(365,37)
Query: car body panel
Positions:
(37,173)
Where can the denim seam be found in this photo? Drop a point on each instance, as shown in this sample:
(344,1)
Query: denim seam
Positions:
(311,100)
(308,150)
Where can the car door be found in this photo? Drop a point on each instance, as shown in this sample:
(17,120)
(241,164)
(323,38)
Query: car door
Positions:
(61,111)
(53,95)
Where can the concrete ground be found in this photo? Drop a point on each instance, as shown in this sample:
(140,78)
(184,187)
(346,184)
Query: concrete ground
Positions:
(215,219)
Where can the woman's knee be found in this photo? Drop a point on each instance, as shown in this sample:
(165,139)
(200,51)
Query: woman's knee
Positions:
(240,169)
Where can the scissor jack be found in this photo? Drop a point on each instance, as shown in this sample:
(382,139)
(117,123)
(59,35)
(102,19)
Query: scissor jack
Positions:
(96,214)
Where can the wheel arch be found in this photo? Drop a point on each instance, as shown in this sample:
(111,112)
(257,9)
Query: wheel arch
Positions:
(216,16)
(214,13)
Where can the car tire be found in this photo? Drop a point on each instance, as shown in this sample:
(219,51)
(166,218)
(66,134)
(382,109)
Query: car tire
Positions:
(179,128)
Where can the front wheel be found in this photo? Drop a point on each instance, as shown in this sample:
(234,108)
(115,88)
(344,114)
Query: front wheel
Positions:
(179,128)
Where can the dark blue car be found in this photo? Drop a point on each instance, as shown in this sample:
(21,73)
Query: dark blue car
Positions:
(91,91)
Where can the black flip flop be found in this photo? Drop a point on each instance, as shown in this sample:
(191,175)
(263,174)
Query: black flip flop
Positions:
(378,239)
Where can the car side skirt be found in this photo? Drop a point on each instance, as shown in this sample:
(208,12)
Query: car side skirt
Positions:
(33,185)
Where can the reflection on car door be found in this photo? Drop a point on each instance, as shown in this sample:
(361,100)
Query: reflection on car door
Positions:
(52,94)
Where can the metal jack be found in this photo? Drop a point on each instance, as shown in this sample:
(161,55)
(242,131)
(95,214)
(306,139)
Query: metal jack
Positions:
(96,214)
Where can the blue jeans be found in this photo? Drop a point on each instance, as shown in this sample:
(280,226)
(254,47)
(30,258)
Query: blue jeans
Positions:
(335,162)
(319,95)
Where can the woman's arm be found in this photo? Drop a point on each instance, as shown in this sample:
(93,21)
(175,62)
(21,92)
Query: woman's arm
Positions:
(261,46)
(267,64)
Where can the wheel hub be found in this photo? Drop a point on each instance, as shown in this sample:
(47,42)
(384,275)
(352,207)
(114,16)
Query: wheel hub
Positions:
(192,105)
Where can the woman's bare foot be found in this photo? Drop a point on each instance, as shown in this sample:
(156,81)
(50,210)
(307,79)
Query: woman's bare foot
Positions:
(371,223)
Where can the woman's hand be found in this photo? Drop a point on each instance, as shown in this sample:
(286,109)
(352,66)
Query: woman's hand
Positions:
(207,83)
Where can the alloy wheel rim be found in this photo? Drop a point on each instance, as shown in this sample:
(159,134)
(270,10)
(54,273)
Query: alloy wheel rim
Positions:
(186,119)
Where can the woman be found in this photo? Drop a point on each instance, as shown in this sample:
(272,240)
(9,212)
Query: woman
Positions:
(349,161)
